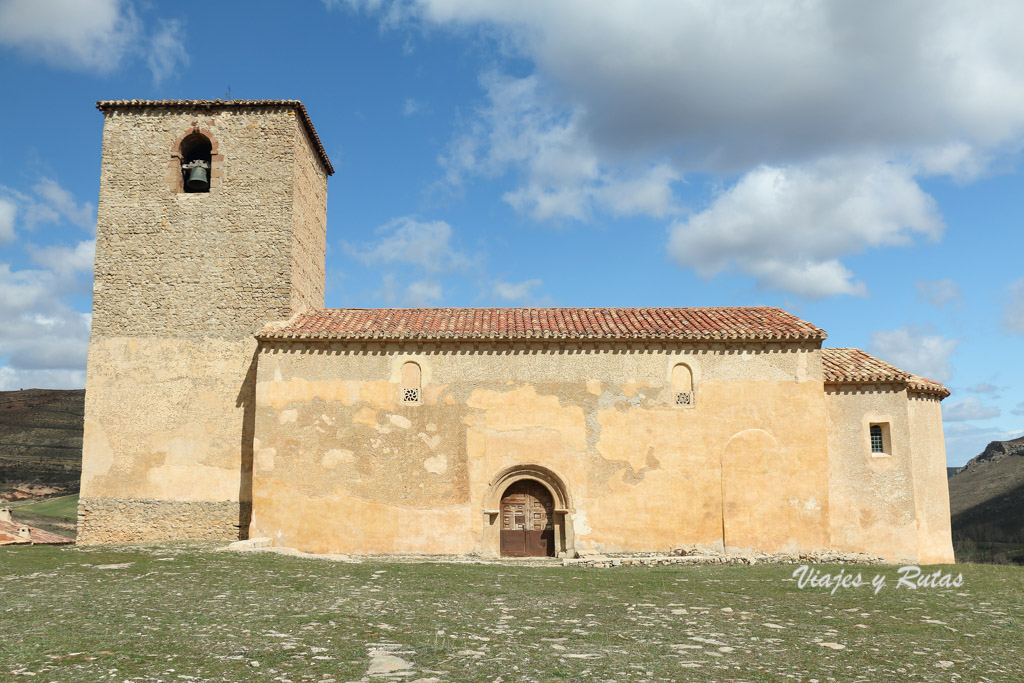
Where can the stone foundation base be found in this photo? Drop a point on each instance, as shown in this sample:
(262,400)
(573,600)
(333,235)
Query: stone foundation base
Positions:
(650,560)
(112,520)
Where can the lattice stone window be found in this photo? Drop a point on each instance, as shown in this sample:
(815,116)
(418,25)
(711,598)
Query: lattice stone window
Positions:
(682,386)
(410,383)
(876,439)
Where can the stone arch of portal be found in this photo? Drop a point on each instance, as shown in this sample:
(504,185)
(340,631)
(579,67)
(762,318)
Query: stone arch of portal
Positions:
(565,541)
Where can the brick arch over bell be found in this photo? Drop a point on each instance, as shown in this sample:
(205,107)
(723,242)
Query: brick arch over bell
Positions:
(174,176)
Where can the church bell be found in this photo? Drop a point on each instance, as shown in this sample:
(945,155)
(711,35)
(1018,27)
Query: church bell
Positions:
(197,179)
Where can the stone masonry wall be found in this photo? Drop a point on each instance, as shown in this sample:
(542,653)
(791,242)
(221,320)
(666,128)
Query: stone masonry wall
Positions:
(309,232)
(183,280)
(112,520)
(220,263)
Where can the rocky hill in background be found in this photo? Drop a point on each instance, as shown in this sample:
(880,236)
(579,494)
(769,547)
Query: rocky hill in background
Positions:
(986,501)
(40,442)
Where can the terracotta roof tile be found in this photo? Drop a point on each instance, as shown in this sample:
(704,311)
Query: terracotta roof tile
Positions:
(853,366)
(756,323)
(927,386)
(9,535)
(110,105)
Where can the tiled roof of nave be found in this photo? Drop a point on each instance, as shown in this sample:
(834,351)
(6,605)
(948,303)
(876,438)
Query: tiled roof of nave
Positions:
(754,323)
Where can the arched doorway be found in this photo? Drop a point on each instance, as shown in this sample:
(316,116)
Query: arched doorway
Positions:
(554,491)
(527,520)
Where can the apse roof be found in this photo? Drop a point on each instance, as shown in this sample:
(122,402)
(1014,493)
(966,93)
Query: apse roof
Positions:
(853,366)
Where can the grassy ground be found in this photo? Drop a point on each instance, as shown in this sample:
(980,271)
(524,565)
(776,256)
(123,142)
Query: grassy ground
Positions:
(179,612)
(65,507)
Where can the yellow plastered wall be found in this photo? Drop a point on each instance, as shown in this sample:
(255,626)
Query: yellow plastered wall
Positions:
(342,465)
(883,503)
(931,484)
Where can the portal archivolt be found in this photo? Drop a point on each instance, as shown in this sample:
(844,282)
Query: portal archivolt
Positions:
(527,512)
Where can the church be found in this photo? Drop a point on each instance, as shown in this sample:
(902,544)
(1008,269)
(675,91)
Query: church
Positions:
(223,401)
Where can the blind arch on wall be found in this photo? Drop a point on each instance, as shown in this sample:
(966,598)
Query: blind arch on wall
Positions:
(410,386)
(411,375)
(682,377)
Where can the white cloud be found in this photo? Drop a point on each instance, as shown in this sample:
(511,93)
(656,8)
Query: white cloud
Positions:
(14,380)
(516,291)
(43,340)
(63,203)
(939,293)
(1018,409)
(41,334)
(31,211)
(427,244)
(788,226)
(746,87)
(1013,314)
(51,204)
(423,293)
(914,351)
(89,35)
(8,213)
(388,292)
(984,388)
(65,261)
(93,35)
(971,408)
(167,50)
(964,441)
(410,107)
(562,173)
(731,85)
(418,294)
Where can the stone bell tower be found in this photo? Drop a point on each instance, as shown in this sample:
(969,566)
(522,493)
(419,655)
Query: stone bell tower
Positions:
(211,222)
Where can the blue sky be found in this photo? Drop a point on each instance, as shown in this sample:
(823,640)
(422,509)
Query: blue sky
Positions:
(858,164)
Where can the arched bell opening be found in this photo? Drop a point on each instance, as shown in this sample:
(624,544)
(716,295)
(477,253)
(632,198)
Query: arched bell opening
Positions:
(527,513)
(196,161)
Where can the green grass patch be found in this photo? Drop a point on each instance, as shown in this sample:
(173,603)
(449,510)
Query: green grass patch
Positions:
(186,612)
(65,507)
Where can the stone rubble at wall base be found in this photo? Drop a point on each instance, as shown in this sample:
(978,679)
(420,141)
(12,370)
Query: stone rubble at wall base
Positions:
(679,556)
(710,557)
(111,520)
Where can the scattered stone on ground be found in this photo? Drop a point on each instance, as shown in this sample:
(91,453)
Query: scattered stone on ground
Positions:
(385,662)
(691,555)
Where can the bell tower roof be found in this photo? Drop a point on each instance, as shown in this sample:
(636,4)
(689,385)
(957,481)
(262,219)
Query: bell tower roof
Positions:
(295,105)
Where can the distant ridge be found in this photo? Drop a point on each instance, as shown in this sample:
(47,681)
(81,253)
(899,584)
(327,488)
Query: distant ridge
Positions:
(986,501)
(40,442)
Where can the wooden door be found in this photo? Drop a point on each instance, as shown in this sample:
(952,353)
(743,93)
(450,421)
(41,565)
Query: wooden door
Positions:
(527,520)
